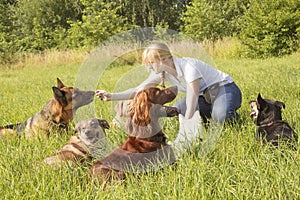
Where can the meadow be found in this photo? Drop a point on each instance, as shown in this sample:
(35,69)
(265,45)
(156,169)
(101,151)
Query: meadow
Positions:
(237,168)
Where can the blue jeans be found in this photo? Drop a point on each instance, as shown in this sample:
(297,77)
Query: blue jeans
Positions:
(223,108)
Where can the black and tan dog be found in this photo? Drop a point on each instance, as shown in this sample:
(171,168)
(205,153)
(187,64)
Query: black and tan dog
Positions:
(271,128)
(88,144)
(145,148)
(56,114)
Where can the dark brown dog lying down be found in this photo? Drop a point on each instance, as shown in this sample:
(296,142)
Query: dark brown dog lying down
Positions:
(90,141)
(145,148)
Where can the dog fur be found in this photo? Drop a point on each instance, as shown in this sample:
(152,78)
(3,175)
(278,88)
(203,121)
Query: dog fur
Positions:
(146,143)
(121,109)
(268,117)
(56,114)
(91,139)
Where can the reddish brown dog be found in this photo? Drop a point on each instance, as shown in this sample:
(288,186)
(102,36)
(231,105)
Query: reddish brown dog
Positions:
(145,148)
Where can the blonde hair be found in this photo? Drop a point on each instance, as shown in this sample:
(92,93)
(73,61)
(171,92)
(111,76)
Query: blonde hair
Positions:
(157,50)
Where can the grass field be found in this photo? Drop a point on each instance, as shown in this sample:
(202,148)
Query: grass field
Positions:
(238,167)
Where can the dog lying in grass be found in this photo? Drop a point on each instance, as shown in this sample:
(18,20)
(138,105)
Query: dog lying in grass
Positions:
(89,143)
(271,128)
(56,114)
(145,148)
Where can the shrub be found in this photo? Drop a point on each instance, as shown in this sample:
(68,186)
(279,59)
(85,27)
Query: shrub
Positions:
(271,28)
(99,21)
(41,24)
(213,19)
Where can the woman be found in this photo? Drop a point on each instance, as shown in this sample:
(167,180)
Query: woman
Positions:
(208,90)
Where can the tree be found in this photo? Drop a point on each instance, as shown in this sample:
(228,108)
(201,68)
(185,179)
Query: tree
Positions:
(6,31)
(213,19)
(150,13)
(99,21)
(42,24)
(271,28)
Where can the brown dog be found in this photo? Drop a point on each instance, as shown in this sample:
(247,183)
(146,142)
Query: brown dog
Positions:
(145,148)
(56,114)
(88,144)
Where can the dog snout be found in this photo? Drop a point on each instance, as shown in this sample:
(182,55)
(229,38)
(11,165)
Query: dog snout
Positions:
(174,89)
(91,93)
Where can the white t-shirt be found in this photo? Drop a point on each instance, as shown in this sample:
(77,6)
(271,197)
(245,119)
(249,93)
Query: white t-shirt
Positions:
(188,70)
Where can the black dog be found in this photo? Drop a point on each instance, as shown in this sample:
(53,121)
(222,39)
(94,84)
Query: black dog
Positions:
(271,128)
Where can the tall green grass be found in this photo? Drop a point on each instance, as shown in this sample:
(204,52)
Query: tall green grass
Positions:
(237,168)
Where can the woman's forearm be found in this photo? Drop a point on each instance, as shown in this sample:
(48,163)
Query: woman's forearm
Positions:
(124,95)
(192,96)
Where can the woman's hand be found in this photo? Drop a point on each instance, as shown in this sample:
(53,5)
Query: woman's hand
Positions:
(103,95)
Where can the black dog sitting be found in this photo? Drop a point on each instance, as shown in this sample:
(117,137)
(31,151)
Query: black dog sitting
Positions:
(271,128)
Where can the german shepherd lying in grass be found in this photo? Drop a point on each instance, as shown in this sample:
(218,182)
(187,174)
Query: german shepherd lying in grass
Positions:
(271,128)
(56,114)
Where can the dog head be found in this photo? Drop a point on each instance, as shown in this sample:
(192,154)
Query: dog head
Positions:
(71,98)
(146,108)
(265,110)
(146,103)
(90,131)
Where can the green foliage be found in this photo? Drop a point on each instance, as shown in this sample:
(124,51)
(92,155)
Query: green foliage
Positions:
(213,19)
(150,13)
(41,24)
(7,37)
(265,27)
(99,21)
(271,28)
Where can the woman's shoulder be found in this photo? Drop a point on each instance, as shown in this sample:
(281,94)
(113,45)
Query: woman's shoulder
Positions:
(188,62)
(184,60)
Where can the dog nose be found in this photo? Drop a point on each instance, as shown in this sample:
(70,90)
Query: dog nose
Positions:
(174,89)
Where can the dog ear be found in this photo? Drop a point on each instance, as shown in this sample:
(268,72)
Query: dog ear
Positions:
(103,123)
(60,83)
(259,96)
(280,104)
(260,102)
(140,108)
(59,95)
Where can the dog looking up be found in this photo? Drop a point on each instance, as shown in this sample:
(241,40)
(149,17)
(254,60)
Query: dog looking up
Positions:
(89,143)
(56,114)
(145,148)
(271,128)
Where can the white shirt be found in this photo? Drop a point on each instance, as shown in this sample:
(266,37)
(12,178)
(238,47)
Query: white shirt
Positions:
(188,70)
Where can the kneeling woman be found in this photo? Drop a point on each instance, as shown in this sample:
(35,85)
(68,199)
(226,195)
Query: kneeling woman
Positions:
(207,89)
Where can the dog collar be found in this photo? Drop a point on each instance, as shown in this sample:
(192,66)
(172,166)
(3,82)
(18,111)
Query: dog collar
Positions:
(267,124)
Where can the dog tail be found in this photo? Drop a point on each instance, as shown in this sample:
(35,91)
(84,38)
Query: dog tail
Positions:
(11,129)
(10,126)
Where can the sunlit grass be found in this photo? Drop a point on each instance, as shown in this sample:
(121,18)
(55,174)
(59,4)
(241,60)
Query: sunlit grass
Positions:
(237,168)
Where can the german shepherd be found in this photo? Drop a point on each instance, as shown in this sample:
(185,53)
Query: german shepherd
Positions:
(271,128)
(88,144)
(56,114)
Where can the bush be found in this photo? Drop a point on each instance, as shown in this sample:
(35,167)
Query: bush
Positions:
(41,24)
(271,28)
(99,21)
(213,19)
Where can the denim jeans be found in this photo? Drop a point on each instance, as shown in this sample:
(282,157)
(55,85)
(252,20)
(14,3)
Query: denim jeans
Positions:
(223,108)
